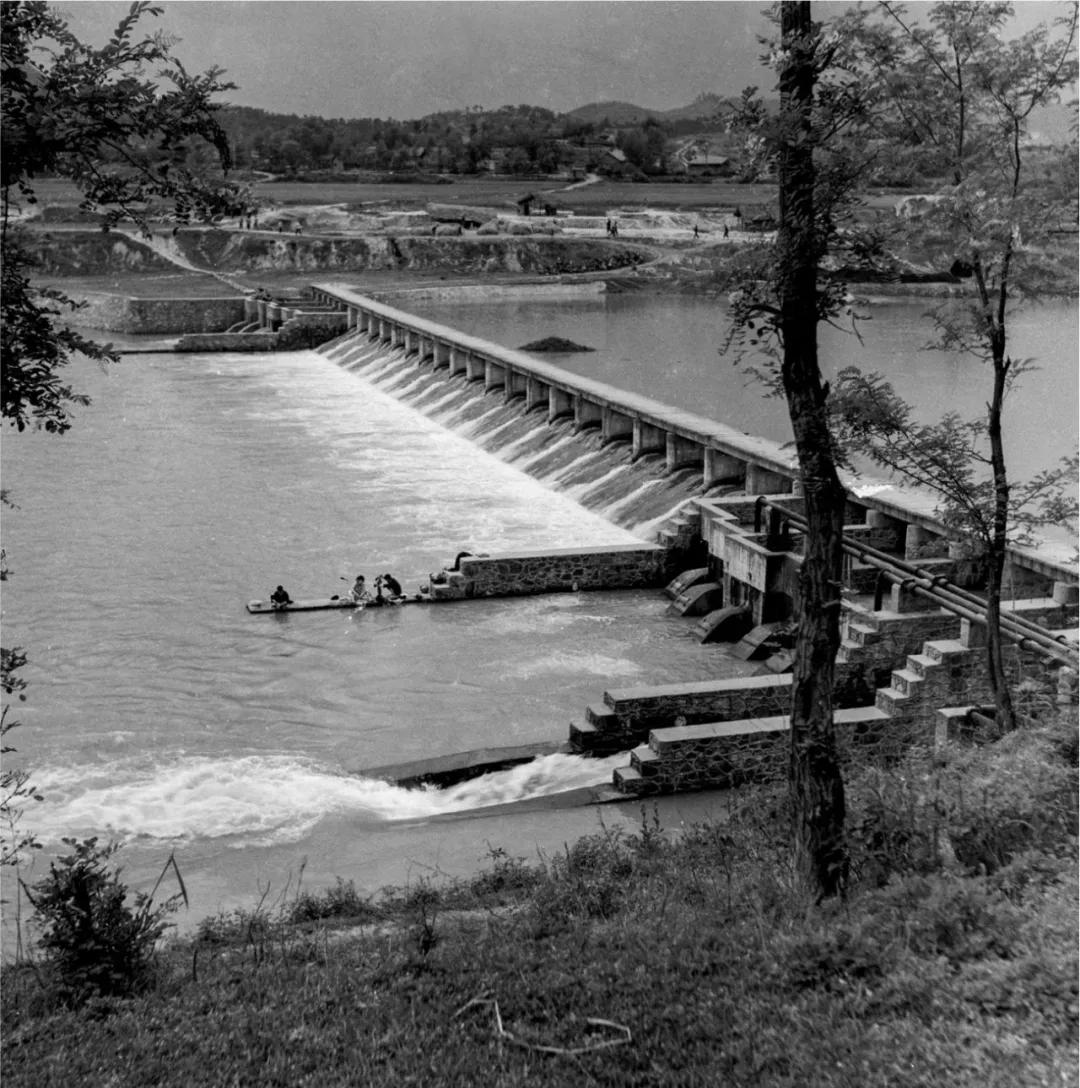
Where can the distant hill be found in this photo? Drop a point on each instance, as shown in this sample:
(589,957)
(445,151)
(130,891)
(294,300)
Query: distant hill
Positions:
(618,113)
(705,107)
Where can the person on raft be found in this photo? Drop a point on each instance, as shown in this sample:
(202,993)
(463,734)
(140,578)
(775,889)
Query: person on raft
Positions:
(393,586)
(280,598)
(359,592)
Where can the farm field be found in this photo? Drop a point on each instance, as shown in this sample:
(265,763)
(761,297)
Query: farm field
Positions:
(594,198)
(484,190)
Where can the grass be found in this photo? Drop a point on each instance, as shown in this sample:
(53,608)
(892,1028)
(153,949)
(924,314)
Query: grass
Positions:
(641,960)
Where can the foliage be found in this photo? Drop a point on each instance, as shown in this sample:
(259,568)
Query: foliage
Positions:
(707,954)
(959,95)
(127,139)
(951,457)
(98,944)
(15,786)
(35,346)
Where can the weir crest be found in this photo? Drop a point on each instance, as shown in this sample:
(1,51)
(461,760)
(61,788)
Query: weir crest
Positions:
(602,475)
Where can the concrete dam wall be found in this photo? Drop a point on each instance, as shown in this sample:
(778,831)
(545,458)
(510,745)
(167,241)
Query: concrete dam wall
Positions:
(638,494)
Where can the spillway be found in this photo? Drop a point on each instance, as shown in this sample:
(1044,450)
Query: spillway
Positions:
(636,494)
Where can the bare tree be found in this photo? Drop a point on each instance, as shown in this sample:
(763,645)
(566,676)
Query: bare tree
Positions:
(960,97)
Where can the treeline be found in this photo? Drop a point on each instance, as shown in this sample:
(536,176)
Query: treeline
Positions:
(512,140)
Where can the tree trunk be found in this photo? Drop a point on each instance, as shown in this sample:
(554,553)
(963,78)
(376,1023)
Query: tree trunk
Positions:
(816,784)
(1004,712)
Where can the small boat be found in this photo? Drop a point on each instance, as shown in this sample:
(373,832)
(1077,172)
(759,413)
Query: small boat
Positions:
(314,604)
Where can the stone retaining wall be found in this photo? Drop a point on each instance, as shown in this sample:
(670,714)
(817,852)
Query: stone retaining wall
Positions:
(710,700)
(118,313)
(628,566)
(725,754)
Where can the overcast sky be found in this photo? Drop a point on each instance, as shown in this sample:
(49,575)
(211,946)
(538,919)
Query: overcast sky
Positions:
(404,59)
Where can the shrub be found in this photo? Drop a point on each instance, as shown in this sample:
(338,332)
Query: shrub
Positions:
(98,943)
(340,901)
(507,876)
(588,880)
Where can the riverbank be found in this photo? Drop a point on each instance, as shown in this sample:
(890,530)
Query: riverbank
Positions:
(660,957)
(393,243)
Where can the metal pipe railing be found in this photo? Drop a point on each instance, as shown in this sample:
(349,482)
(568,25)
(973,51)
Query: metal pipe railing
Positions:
(967,605)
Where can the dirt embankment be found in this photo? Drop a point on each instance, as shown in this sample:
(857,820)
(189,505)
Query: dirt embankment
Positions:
(92,253)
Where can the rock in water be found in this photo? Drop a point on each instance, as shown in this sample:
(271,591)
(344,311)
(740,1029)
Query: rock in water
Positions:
(555,344)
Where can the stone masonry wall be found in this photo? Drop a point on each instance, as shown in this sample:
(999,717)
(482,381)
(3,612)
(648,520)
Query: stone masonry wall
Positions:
(710,700)
(631,566)
(118,313)
(727,754)
(881,640)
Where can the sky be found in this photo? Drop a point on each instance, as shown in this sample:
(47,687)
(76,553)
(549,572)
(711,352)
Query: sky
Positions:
(405,59)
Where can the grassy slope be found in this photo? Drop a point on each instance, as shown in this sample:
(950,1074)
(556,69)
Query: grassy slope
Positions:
(952,962)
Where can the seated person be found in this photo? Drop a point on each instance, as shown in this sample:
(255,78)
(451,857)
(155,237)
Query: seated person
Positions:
(359,592)
(393,586)
(280,598)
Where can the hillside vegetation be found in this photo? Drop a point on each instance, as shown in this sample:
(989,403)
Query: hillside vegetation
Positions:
(647,960)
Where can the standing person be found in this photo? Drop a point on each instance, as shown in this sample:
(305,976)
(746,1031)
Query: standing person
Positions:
(280,597)
(696,231)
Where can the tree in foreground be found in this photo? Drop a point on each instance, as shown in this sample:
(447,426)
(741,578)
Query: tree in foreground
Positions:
(958,96)
(777,309)
(123,123)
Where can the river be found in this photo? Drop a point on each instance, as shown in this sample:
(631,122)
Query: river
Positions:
(162,714)
(668,347)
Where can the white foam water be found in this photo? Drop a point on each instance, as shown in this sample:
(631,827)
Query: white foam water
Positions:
(267,800)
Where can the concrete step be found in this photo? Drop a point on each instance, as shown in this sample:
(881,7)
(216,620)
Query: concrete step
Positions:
(892,701)
(601,716)
(862,635)
(906,681)
(944,650)
(585,737)
(644,760)
(627,780)
(922,664)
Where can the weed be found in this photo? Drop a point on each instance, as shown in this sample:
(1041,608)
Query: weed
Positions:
(506,877)
(340,901)
(98,944)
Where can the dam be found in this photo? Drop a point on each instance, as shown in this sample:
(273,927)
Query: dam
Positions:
(164,716)
(746,573)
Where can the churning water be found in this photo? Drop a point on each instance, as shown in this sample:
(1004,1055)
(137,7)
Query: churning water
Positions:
(159,712)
